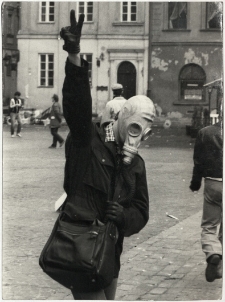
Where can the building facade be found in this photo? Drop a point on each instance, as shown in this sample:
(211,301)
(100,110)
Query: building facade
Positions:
(186,53)
(114,41)
(167,50)
(10,53)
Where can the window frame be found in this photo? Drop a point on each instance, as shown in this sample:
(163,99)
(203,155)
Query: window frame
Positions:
(10,24)
(204,18)
(166,19)
(8,68)
(129,13)
(90,65)
(85,11)
(47,13)
(46,70)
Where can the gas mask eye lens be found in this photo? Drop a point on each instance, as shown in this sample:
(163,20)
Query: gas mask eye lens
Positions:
(134,129)
(146,134)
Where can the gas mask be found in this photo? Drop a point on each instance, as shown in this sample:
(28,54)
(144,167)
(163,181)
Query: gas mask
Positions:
(134,125)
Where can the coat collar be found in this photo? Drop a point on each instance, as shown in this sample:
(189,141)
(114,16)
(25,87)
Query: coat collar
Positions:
(111,146)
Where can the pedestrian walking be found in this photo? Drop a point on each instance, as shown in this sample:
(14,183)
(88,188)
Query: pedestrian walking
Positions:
(113,107)
(55,122)
(102,160)
(208,164)
(14,108)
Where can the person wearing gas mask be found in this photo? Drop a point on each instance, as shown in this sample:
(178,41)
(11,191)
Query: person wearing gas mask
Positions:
(100,160)
(113,107)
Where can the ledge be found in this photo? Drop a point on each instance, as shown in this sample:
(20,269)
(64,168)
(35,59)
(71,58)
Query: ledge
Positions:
(186,43)
(177,30)
(45,86)
(46,22)
(211,29)
(127,50)
(128,23)
(190,104)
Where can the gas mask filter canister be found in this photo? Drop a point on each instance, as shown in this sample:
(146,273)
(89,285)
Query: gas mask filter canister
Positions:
(134,130)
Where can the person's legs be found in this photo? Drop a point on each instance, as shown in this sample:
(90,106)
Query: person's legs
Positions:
(19,123)
(13,119)
(107,294)
(110,291)
(211,218)
(98,295)
(58,137)
(54,132)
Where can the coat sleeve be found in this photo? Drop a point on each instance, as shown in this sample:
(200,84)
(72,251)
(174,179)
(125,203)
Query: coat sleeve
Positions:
(20,103)
(77,103)
(12,103)
(137,214)
(198,158)
(57,111)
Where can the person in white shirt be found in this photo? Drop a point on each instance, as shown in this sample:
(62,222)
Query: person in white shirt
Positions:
(113,107)
(15,106)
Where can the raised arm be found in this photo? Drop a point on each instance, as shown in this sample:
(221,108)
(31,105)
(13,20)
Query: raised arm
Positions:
(77,103)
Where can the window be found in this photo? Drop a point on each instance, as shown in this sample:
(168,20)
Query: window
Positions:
(88,58)
(192,78)
(10,24)
(177,15)
(8,67)
(214,15)
(46,73)
(129,11)
(47,12)
(87,9)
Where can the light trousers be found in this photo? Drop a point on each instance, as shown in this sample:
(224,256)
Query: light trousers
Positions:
(13,117)
(108,293)
(212,230)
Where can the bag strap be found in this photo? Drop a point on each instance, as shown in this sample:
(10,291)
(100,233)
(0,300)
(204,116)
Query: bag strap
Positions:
(113,194)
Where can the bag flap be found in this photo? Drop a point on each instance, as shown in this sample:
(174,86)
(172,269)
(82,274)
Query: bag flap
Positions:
(78,213)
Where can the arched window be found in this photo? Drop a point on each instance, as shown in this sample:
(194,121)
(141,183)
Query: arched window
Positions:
(191,80)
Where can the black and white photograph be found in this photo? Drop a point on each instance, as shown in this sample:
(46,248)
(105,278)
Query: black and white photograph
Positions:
(112,150)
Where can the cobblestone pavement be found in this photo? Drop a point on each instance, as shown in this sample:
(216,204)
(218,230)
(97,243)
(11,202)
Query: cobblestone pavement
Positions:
(164,262)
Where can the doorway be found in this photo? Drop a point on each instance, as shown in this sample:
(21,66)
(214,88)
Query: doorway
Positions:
(126,75)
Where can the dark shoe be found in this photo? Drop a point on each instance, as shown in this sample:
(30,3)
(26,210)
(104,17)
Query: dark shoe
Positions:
(52,147)
(219,272)
(211,272)
(62,143)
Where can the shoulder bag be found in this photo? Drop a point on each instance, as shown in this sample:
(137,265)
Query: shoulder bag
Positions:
(80,255)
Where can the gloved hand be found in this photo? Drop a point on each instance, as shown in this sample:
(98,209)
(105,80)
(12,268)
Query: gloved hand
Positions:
(71,34)
(115,213)
(195,185)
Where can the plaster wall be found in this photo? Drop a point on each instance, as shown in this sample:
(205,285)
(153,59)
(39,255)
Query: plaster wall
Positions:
(196,31)
(105,75)
(106,35)
(167,62)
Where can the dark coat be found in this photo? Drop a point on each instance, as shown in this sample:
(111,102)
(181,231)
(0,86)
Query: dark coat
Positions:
(93,167)
(208,153)
(55,115)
